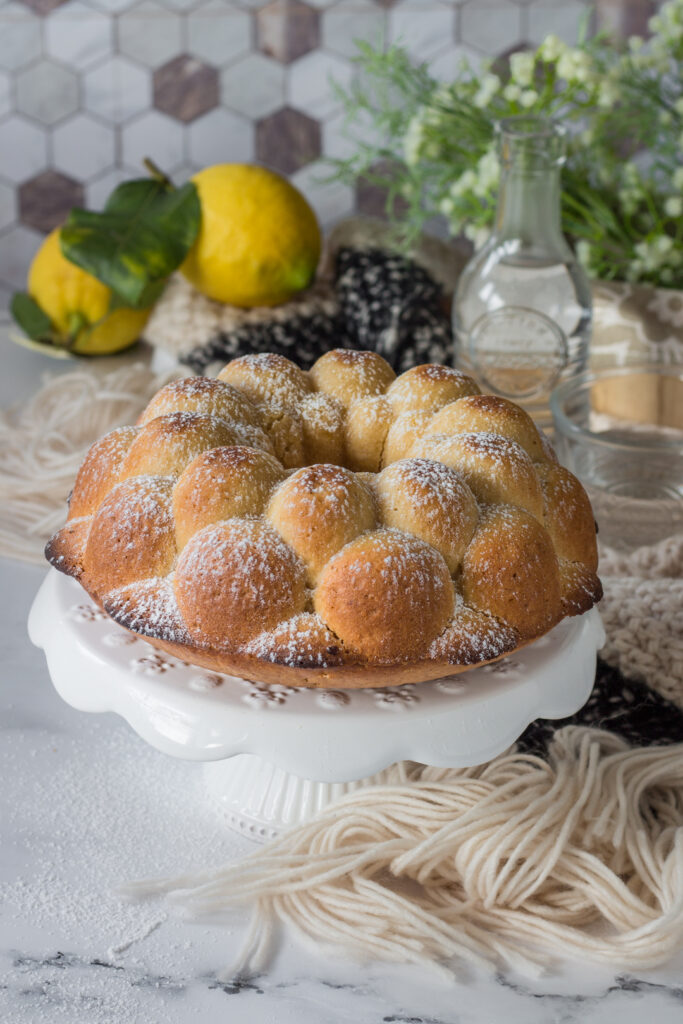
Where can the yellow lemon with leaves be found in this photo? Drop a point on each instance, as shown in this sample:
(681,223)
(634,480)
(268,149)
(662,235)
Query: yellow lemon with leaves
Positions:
(258,242)
(77,305)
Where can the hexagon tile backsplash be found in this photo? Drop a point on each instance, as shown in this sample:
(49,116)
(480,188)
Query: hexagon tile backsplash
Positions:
(90,87)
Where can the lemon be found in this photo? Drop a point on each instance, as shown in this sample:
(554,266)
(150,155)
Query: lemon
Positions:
(259,240)
(77,304)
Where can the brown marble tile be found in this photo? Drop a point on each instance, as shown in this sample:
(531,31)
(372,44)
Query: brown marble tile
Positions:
(42,7)
(287,29)
(371,199)
(287,140)
(624,17)
(185,88)
(45,200)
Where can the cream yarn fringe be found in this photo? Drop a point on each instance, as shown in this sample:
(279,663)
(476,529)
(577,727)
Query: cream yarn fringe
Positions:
(509,864)
(42,444)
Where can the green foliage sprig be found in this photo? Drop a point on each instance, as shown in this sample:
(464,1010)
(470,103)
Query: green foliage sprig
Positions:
(431,145)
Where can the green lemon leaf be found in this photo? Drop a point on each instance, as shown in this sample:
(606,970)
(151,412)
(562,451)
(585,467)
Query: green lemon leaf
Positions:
(30,317)
(143,234)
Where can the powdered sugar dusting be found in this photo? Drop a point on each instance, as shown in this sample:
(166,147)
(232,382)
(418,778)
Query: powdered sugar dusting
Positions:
(406,568)
(322,412)
(434,488)
(303,641)
(271,381)
(141,504)
(149,608)
(472,637)
(243,559)
(321,490)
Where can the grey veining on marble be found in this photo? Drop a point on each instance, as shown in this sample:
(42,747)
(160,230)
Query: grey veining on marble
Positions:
(71,952)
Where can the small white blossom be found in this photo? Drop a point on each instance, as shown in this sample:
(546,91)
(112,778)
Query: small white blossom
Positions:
(488,87)
(574,66)
(413,141)
(663,244)
(635,43)
(465,183)
(522,66)
(528,98)
(512,92)
(476,235)
(673,207)
(678,106)
(678,178)
(551,48)
(608,94)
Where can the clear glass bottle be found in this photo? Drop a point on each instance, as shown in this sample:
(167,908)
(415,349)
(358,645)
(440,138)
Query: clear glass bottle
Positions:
(522,311)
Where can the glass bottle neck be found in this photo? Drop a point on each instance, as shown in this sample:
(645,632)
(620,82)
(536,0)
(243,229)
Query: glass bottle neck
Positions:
(528,220)
(528,211)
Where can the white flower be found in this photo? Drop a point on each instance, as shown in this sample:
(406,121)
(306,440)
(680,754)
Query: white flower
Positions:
(678,106)
(574,66)
(465,183)
(414,139)
(512,92)
(528,98)
(678,178)
(665,117)
(522,66)
(635,43)
(488,87)
(488,171)
(446,206)
(608,94)
(476,235)
(663,244)
(673,207)
(551,48)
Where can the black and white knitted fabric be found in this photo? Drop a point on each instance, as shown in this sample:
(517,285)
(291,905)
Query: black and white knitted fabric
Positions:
(629,708)
(384,302)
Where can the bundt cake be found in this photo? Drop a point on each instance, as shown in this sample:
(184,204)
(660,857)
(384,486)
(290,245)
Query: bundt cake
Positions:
(341,527)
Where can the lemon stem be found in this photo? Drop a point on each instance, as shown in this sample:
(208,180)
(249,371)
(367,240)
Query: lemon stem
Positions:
(157,173)
(75,324)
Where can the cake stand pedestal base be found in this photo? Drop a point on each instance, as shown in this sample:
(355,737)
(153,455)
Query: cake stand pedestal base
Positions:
(260,800)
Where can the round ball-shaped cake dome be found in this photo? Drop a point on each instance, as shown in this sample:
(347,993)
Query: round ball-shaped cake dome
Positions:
(337,527)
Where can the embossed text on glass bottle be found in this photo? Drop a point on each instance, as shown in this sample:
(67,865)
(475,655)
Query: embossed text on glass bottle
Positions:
(522,310)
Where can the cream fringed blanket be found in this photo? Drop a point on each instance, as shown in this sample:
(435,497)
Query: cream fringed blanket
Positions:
(577,850)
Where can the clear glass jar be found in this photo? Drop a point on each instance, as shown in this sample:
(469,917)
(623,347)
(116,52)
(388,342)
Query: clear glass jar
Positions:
(522,311)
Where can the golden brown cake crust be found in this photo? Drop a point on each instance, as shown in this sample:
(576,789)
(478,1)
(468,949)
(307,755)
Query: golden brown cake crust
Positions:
(246,524)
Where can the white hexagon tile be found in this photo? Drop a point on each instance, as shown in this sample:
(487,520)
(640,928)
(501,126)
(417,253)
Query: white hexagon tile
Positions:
(218,35)
(78,35)
(88,88)
(253,85)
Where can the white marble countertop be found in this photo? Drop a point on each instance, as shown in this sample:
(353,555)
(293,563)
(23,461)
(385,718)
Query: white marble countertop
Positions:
(86,805)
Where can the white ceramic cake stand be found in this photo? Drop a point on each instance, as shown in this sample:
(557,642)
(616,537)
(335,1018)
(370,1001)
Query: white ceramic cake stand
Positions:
(275,755)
